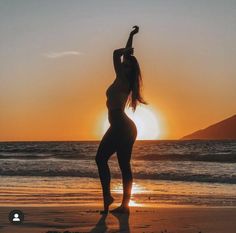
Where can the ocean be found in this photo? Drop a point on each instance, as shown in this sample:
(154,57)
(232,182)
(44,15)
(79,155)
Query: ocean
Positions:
(165,173)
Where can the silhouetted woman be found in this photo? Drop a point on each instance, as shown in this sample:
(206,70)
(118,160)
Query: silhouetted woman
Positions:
(122,133)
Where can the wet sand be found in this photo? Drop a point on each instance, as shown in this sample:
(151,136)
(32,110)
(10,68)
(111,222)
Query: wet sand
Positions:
(141,220)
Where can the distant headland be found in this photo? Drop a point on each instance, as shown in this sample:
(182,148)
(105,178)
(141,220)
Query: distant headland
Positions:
(225,129)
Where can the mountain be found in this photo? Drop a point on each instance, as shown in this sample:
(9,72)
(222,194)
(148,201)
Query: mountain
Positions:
(225,129)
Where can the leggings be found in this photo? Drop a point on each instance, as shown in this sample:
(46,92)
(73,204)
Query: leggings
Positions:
(119,138)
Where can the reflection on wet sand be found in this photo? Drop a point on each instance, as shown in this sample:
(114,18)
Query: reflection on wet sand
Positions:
(101,226)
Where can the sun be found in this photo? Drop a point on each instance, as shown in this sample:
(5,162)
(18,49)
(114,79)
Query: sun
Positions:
(146,120)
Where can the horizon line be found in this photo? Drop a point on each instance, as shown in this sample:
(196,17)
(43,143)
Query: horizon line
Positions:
(139,140)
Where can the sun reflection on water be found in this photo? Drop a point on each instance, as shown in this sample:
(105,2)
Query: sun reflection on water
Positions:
(134,203)
(136,189)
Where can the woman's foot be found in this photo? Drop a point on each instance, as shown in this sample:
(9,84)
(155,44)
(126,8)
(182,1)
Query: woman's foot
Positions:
(107,202)
(120,210)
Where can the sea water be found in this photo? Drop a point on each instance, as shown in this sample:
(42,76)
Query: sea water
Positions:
(165,172)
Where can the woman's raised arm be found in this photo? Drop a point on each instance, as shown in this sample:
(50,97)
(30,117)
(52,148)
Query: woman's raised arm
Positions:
(128,50)
(117,57)
(131,35)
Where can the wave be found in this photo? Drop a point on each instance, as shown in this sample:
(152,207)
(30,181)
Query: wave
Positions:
(221,158)
(192,161)
(41,156)
(205,151)
(160,176)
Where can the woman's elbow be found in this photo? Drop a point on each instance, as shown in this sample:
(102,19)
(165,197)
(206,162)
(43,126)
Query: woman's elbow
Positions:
(118,52)
(115,52)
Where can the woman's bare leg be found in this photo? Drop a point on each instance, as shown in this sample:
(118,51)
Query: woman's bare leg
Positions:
(124,156)
(105,150)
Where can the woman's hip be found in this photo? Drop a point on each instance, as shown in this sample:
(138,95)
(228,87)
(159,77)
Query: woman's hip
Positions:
(122,126)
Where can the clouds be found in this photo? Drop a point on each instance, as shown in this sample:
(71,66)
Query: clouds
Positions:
(54,55)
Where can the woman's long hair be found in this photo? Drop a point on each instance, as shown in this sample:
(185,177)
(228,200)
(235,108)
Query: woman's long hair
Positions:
(135,79)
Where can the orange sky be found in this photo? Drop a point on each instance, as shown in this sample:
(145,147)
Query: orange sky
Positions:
(56,64)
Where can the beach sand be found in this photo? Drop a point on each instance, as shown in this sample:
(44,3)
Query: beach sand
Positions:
(141,220)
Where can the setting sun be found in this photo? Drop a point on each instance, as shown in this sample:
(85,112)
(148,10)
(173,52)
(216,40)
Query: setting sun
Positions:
(146,120)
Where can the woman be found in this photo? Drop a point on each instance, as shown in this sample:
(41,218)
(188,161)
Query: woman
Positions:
(122,133)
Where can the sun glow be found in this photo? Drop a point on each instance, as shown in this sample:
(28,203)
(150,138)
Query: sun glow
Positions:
(134,203)
(136,189)
(146,120)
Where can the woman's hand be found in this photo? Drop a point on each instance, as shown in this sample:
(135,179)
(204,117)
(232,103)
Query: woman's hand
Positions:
(135,30)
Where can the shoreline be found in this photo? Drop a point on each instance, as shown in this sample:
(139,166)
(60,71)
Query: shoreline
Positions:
(48,191)
(116,204)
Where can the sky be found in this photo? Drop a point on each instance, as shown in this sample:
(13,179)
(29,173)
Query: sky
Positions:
(56,64)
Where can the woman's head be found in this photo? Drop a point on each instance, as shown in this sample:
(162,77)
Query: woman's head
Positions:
(133,73)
